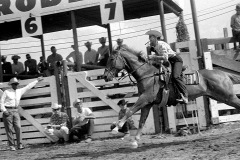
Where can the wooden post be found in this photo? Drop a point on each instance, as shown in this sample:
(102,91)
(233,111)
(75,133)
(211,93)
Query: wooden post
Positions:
(156,117)
(212,103)
(1,73)
(162,19)
(197,36)
(42,47)
(75,39)
(59,94)
(109,38)
(225,32)
(66,92)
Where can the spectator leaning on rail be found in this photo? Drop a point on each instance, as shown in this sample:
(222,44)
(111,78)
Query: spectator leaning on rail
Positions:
(17,67)
(162,53)
(57,129)
(73,56)
(6,68)
(53,58)
(90,56)
(235,24)
(9,105)
(129,124)
(83,123)
(43,67)
(30,66)
(103,52)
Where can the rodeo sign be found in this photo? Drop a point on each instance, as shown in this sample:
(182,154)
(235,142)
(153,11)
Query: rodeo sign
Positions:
(30,11)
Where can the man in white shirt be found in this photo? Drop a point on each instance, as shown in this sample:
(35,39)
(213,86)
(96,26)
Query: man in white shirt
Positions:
(9,106)
(17,67)
(83,122)
(90,56)
(73,56)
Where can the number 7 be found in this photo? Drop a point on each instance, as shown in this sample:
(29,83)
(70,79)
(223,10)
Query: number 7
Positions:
(112,7)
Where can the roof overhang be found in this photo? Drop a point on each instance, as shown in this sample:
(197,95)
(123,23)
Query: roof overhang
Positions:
(54,22)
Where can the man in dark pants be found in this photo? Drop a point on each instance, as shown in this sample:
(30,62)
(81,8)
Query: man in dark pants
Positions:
(83,123)
(129,124)
(162,53)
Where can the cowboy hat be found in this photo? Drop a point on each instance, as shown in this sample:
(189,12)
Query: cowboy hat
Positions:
(88,43)
(15,57)
(77,101)
(154,33)
(122,102)
(119,40)
(102,39)
(13,80)
(238,6)
(56,106)
(4,57)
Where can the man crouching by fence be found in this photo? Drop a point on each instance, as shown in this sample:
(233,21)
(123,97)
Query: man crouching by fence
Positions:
(57,129)
(83,123)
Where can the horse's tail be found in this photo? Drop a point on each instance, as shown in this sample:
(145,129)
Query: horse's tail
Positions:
(235,78)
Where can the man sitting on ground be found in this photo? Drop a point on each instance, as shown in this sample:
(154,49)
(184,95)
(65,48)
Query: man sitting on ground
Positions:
(57,129)
(83,123)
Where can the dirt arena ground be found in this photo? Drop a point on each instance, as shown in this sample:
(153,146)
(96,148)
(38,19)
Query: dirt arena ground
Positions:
(221,142)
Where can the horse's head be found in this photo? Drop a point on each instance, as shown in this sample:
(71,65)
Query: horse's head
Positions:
(115,64)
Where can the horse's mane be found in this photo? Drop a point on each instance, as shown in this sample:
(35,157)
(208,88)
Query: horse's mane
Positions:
(141,56)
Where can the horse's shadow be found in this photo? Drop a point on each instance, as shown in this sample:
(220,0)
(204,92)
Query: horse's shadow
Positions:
(126,150)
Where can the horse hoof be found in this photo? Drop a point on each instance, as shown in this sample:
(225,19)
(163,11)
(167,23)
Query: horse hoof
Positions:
(137,138)
(115,130)
(134,144)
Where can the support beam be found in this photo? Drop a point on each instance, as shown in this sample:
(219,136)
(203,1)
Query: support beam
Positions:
(75,39)
(109,37)
(42,47)
(171,9)
(1,73)
(162,19)
(196,30)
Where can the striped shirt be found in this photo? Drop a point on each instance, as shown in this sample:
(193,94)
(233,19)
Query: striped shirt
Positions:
(58,119)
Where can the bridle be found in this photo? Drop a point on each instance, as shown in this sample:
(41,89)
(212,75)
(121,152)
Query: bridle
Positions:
(110,71)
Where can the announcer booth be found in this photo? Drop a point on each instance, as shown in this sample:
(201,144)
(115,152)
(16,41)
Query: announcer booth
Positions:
(34,18)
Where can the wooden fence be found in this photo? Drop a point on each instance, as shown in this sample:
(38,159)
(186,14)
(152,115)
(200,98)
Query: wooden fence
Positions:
(88,86)
(194,112)
(35,110)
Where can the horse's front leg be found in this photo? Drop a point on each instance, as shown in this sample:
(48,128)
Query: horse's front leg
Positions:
(144,114)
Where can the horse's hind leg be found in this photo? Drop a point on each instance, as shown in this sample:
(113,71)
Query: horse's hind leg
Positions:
(234,101)
(143,118)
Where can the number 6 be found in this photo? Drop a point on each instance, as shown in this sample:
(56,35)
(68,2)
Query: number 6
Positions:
(30,26)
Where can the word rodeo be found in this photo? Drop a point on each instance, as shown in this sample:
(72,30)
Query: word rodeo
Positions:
(14,9)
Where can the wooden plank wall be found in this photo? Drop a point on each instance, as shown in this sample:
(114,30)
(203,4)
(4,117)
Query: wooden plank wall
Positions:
(92,89)
(221,112)
(194,112)
(36,103)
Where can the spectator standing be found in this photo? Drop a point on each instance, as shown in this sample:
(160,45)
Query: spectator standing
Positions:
(30,65)
(235,24)
(83,123)
(73,56)
(103,52)
(17,67)
(6,68)
(9,106)
(43,67)
(90,56)
(53,58)
(57,129)
(119,44)
(129,124)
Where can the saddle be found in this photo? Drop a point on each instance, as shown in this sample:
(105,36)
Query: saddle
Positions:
(165,75)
